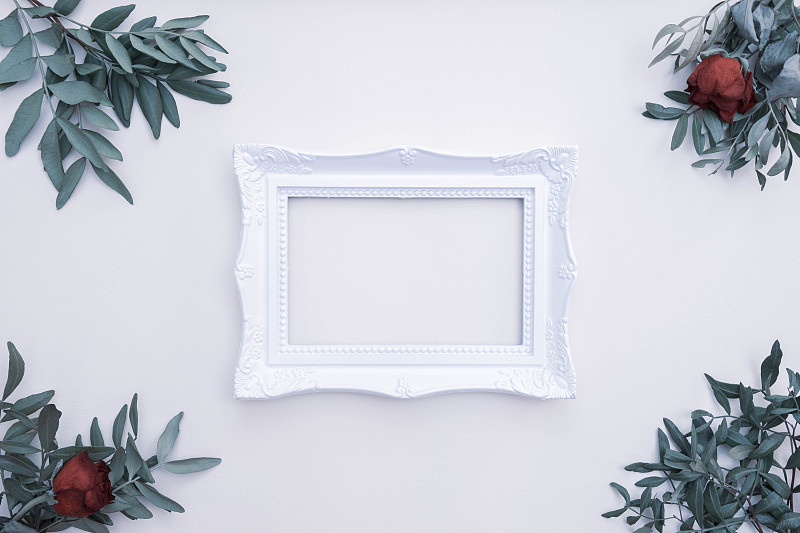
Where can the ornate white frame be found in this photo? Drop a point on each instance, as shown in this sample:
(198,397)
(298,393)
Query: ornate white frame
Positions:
(269,366)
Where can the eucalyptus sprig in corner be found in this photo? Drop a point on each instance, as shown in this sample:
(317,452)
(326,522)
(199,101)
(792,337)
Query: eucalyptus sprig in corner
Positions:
(47,486)
(727,469)
(742,94)
(86,68)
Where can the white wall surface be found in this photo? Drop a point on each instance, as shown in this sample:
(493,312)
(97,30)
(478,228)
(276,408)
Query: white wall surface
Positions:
(679,273)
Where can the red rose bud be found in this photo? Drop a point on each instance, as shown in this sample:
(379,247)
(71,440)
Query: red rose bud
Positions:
(717,83)
(82,487)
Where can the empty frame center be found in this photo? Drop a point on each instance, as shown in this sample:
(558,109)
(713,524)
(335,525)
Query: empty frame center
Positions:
(378,271)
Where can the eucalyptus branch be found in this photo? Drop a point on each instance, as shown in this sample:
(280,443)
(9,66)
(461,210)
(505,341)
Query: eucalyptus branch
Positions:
(145,64)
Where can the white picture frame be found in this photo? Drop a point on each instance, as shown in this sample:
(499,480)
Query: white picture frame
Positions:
(270,365)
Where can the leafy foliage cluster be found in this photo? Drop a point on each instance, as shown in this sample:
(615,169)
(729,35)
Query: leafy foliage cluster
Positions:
(727,469)
(87,67)
(763,36)
(30,458)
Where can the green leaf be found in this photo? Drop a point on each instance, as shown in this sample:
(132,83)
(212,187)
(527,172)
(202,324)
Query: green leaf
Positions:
(771,367)
(144,24)
(651,481)
(669,29)
(199,55)
(768,445)
(103,145)
(62,65)
(201,37)
(16,370)
(71,178)
(48,426)
(741,452)
(722,400)
(794,140)
(10,30)
(714,125)
(794,460)
(122,96)
(664,113)
(669,49)
(781,163)
(15,465)
(97,117)
(95,435)
(184,23)
(39,12)
(117,466)
(30,404)
(133,414)
(168,104)
(119,426)
(96,453)
(81,142)
(677,437)
(108,177)
(136,509)
(150,102)
(109,20)
(9,446)
(174,51)
(188,466)
(146,49)
(76,92)
(85,69)
(51,156)
(168,437)
(789,520)
(65,7)
(19,63)
(697,134)
(680,131)
(52,36)
(84,36)
(196,91)
(694,497)
(678,96)
(133,460)
(158,499)
(119,52)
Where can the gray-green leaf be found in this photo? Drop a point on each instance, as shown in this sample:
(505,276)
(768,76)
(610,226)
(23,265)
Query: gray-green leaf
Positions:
(110,178)
(71,178)
(169,105)
(76,92)
(188,466)
(146,49)
(97,117)
(10,30)
(120,53)
(80,141)
(680,131)
(61,64)
(16,370)
(158,499)
(103,145)
(787,84)
(51,154)
(204,93)
(174,51)
(25,118)
(150,102)
(184,23)
(168,437)
(109,20)
(65,7)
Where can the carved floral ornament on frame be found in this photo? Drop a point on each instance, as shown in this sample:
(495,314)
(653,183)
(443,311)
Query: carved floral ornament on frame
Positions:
(270,365)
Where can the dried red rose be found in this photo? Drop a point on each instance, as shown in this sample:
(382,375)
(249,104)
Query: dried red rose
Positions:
(717,83)
(82,487)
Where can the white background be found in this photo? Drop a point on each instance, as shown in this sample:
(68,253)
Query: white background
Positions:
(679,273)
